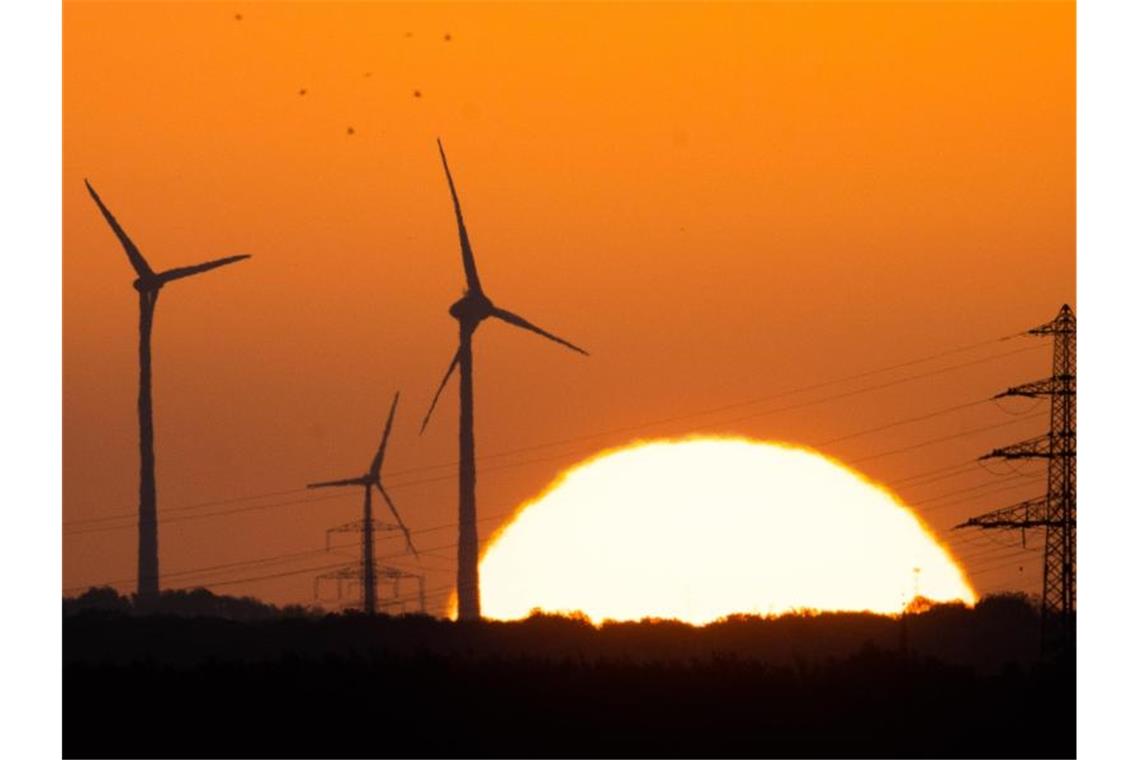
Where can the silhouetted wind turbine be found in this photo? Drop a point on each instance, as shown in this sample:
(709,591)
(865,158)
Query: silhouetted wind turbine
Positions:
(368,480)
(469,311)
(148,284)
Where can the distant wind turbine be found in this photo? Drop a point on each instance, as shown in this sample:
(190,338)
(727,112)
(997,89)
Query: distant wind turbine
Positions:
(148,284)
(367,481)
(469,311)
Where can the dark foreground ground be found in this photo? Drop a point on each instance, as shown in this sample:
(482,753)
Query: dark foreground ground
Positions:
(971,685)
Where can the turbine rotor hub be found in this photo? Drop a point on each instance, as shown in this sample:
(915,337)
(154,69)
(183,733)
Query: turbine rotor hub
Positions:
(143,285)
(473,308)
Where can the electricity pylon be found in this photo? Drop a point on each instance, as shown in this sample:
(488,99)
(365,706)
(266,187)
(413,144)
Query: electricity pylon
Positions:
(396,601)
(368,481)
(371,598)
(1056,511)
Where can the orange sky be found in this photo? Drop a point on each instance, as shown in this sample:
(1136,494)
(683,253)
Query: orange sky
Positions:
(719,202)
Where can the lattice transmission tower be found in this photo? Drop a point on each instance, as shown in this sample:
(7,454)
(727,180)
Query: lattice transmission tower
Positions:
(368,574)
(1056,511)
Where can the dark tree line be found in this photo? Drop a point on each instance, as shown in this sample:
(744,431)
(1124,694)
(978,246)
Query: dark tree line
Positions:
(269,682)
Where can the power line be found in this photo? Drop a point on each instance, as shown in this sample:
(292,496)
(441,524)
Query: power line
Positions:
(770,397)
(933,441)
(183,518)
(661,421)
(950,471)
(966,540)
(958,540)
(295,572)
(211,569)
(1011,563)
(200,505)
(944,472)
(987,493)
(523,463)
(293,555)
(907,421)
(881,386)
(991,553)
(986,486)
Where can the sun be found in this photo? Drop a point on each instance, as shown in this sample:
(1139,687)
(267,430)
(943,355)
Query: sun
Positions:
(699,528)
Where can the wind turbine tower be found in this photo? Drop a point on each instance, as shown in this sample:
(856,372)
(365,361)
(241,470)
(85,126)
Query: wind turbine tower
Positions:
(368,481)
(470,311)
(149,283)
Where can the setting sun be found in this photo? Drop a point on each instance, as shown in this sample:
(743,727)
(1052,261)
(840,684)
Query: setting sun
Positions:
(700,528)
(665,378)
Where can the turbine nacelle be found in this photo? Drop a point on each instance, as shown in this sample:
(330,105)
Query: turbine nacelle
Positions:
(475,306)
(472,308)
(360,481)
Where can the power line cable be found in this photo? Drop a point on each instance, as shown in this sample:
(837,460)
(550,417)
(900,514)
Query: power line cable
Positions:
(951,437)
(510,465)
(129,513)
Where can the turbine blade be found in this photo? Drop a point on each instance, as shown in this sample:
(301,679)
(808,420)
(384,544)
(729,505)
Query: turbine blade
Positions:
(400,520)
(446,377)
(335,483)
(142,269)
(464,244)
(518,321)
(179,272)
(378,461)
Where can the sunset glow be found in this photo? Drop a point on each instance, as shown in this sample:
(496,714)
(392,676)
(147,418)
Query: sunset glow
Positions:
(700,528)
(721,202)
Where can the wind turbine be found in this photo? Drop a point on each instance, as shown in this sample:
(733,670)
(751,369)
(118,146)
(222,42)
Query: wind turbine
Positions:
(367,481)
(470,311)
(148,284)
